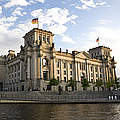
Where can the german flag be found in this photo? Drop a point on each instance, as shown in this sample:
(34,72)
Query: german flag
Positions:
(97,40)
(35,21)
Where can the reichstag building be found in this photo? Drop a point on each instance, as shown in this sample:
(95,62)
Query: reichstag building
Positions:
(38,62)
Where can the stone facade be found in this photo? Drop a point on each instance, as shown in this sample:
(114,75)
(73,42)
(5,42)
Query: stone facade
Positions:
(38,62)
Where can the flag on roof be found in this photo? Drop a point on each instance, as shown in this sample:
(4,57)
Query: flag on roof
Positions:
(35,21)
(97,40)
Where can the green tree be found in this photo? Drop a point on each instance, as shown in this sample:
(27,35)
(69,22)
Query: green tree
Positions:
(85,84)
(98,83)
(71,83)
(110,84)
(53,82)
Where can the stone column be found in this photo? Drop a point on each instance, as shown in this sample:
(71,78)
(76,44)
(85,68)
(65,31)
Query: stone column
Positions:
(28,71)
(35,68)
(76,71)
(40,67)
(53,68)
(28,67)
(60,70)
(106,73)
(114,73)
(68,70)
(21,71)
(94,75)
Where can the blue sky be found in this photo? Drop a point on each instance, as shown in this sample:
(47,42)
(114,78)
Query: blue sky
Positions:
(76,23)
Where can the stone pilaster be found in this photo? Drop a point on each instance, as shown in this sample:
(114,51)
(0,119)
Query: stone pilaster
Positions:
(28,67)
(68,71)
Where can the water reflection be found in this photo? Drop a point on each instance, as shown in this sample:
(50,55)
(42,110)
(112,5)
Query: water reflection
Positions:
(59,111)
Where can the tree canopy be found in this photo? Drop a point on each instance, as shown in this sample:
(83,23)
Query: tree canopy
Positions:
(53,82)
(72,83)
(98,83)
(85,83)
(110,84)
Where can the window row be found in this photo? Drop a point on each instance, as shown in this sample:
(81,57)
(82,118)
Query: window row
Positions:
(58,72)
(14,75)
(44,38)
(65,79)
(14,68)
(96,69)
(64,65)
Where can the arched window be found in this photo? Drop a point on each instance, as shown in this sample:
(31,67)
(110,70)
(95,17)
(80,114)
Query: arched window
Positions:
(44,39)
(48,39)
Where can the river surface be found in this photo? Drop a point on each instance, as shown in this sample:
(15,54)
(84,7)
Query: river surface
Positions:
(59,111)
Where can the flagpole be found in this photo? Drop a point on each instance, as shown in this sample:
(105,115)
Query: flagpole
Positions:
(98,44)
(97,41)
(38,25)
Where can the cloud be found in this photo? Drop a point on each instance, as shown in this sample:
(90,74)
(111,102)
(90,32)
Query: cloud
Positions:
(0,10)
(67,39)
(7,22)
(87,4)
(18,12)
(16,3)
(42,1)
(57,28)
(104,22)
(34,1)
(54,19)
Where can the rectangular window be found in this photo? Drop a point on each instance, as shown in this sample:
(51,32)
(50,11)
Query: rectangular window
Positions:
(96,75)
(57,71)
(71,66)
(18,74)
(70,78)
(58,64)
(91,74)
(80,66)
(91,80)
(18,67)
(58,78)
(100,75)
(15,68)
(48,39)
(64,79)
(70,72)
(44,39)
(64,72)
(91,68)
(100,69)
(96,69)
(64,65)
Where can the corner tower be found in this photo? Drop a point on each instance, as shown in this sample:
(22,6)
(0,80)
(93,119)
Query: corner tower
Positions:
(38,37)
(38,48)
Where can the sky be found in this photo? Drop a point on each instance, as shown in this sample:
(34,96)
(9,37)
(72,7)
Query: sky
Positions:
(76,23)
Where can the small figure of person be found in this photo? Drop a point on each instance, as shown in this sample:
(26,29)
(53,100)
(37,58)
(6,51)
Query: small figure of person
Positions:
(59,90)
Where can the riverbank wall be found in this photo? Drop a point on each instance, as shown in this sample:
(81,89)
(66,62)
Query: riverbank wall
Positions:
(54,97)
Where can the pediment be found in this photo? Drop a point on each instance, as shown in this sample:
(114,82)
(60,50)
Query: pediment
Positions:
(83,55)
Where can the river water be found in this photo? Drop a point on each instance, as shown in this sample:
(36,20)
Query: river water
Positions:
(59,111)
